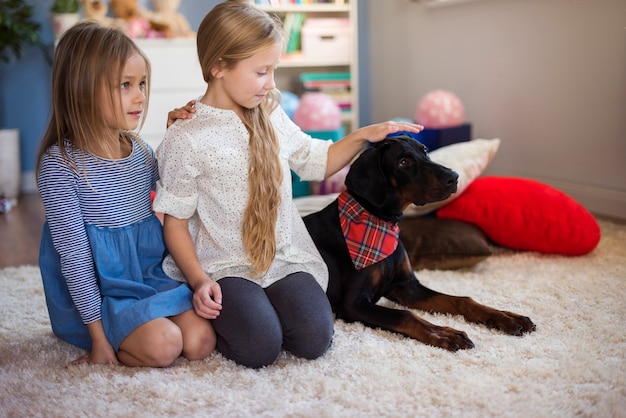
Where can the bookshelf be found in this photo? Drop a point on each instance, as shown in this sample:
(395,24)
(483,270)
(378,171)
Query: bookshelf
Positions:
(327,47)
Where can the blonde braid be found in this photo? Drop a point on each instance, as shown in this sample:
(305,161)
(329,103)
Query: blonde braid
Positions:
(264,179)
(233,31)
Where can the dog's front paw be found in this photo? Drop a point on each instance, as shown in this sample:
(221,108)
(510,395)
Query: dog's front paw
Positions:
(511,323)
(449,339)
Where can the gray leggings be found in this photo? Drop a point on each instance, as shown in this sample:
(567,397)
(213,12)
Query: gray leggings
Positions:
(255,324)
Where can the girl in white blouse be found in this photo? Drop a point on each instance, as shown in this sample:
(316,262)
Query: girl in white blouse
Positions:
(230,225)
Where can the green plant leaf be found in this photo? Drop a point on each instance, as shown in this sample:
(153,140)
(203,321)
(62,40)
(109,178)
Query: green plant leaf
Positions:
(17,27)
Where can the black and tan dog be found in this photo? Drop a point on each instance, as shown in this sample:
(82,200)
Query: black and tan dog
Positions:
(357,235)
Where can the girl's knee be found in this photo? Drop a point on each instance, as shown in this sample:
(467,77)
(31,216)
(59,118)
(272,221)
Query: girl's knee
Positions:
(312,339)
(156,343)
(258,348)
(306,315)
(249,328)
(199,343)
(163,347)
(169,349)
(323,339)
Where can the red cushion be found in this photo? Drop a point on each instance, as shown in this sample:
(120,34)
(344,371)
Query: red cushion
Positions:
(527,215)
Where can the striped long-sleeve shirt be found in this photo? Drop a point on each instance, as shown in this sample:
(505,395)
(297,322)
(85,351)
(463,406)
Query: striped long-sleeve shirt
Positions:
(102,192)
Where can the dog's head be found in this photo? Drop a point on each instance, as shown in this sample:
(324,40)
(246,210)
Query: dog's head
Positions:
(395,172)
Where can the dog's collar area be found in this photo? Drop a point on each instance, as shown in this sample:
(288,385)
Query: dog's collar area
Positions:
(392,217)
(395,218)
(369,239)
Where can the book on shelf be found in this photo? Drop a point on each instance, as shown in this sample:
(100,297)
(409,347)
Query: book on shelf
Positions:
(292,26)
(334,84)
(326,80)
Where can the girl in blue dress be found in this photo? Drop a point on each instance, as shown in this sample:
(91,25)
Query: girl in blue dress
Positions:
(102,246)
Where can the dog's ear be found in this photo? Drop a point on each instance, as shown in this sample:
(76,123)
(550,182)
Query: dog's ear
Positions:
(366,177)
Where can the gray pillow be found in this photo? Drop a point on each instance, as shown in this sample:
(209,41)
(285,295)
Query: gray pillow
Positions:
(440,244)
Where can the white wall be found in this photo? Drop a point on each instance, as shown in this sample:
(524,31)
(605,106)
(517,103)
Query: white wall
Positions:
(548,77)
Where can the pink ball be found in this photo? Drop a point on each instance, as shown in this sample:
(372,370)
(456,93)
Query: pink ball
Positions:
(439,109)
(317,112)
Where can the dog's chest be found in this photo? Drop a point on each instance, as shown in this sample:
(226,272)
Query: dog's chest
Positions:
(368,238)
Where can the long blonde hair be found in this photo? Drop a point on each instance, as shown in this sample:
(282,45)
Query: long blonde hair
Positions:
(88,64)
(232,31)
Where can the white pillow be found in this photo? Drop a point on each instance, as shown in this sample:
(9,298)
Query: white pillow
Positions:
(313,203)
(469,159)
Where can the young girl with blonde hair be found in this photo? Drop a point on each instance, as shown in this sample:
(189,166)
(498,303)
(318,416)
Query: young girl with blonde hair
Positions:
(230,225)
(102,246)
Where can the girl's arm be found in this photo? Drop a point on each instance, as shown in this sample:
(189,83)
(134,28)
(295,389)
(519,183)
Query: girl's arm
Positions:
(178,168)
(59,194)
(207,295)
(342,152)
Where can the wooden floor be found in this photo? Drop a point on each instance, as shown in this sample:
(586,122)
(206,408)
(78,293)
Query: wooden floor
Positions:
(20,232)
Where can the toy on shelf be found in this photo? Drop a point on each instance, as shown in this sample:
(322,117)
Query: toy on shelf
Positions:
(136,23)
(97,10)
(166,13)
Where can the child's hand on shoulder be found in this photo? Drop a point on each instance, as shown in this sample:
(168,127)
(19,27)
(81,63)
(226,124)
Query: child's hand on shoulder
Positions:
(185,112)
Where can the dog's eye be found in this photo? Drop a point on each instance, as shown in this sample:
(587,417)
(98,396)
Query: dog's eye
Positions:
(404,163)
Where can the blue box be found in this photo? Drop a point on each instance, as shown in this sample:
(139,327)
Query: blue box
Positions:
(437,138)
(302,188)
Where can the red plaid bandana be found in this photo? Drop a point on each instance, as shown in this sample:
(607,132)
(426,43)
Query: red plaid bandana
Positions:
(369,239)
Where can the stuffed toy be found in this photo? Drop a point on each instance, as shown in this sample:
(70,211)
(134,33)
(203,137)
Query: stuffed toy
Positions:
(97,10)
(165,12)
(137,24)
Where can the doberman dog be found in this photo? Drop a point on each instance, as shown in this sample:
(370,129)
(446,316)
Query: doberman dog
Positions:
(380,184)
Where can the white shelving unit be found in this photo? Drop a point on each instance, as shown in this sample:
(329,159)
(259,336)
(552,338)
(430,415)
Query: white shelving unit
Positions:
(291,66)
(176,79)
(174,85)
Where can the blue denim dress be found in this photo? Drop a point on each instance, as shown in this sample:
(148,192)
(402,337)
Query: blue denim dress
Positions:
(133,286)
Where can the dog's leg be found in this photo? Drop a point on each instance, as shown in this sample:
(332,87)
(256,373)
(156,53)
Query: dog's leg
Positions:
(359,307)
(414,295)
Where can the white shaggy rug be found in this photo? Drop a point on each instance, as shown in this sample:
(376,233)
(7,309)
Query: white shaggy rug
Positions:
(573,365)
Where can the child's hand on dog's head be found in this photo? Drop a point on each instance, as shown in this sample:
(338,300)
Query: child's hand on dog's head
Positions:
(379,131)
